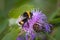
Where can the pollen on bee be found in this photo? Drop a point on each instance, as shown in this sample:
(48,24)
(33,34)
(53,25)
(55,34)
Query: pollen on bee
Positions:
(21,22)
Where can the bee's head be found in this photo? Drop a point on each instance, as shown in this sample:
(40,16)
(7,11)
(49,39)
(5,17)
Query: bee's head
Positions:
(25,16)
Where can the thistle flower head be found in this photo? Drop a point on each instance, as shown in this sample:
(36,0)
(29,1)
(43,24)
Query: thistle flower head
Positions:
(36,24)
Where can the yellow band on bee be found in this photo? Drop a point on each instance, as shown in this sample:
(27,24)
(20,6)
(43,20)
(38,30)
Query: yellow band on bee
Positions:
(28,13)
(22,22)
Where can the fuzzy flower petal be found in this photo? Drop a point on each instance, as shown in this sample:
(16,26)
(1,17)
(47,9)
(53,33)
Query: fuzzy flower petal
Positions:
(30,36)
(42,25)
(38,17)
(21,37)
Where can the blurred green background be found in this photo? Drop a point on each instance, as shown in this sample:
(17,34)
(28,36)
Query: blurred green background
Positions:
(11,9)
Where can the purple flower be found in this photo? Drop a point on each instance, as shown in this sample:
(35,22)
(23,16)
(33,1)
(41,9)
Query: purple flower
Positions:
(38,23)
(21,37)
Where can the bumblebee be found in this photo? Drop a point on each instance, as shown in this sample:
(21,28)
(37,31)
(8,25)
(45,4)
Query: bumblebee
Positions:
(37,19)
(35,22)
(25,16)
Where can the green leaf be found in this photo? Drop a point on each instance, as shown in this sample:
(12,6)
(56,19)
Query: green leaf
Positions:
(11,35)
(9,4)
(54,14)
(46,6)
(3,28)
(50,37)
(14,3)
(57,33)
(15,12)
(55,21)
(3,25)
